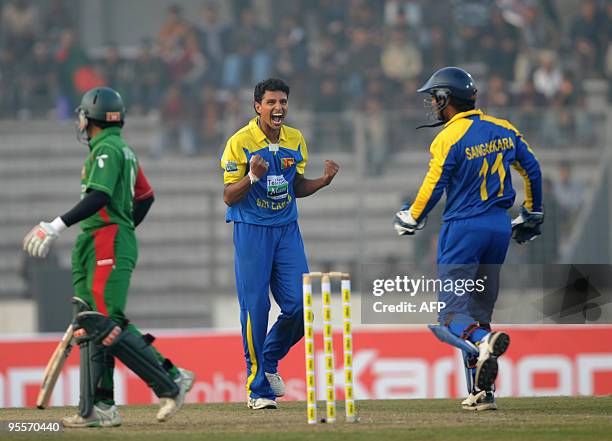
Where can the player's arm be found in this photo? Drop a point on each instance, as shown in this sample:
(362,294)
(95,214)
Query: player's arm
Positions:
(411,217)
(143,197)
(303,187)
(233,192)
(38,241)
(528,167)
(526,226)
(100,187)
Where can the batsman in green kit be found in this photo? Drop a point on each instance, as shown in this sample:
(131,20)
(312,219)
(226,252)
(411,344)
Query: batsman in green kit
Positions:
(115,198)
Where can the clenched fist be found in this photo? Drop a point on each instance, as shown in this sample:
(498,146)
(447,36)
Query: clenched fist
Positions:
(257,168)
(330,171)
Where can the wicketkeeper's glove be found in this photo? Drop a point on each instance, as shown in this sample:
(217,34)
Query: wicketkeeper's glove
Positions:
(405,225)
(38,241)
(526,226)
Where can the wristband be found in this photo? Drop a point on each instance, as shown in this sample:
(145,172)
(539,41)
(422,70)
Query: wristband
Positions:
(58,225)
(253,177)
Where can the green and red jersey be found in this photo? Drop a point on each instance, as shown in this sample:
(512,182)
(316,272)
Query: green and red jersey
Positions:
(112,167)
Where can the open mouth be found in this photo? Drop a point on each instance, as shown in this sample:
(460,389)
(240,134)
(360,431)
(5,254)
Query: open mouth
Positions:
(277,118)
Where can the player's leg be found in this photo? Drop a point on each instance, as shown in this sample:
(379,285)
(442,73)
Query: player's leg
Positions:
(109,261)
(96,405)
(253,254)
(286,286)
(117,288)
(463,245)
(495,343)
(115,297)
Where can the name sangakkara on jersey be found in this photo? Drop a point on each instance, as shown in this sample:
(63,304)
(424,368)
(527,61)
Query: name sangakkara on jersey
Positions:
(495,145)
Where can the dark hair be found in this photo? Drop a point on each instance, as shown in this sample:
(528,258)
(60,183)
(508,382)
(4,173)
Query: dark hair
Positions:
(271,84)
(462,105)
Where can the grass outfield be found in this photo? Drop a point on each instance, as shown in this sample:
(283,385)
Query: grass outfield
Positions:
(523,419)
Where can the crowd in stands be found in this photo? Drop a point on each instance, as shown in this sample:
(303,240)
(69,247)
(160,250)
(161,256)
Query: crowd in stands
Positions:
(337,55)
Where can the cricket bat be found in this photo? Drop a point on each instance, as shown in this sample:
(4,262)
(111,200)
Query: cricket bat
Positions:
(54,368)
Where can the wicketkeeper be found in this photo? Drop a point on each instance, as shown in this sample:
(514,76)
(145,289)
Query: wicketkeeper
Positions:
(115,198)
(470,160)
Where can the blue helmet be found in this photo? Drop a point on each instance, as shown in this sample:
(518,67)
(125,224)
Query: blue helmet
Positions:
(457,81)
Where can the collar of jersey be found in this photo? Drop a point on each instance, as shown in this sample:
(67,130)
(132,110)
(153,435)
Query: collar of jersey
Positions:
(463,115)
(109,131)
(260,136)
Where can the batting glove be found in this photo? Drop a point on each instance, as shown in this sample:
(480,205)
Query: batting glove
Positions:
(38,241)
(405,225)
(526,226)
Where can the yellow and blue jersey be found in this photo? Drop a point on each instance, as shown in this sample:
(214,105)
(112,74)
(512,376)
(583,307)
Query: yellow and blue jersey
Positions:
(271,201)
(471,159)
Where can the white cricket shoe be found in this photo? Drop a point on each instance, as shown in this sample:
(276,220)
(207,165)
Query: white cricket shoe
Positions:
(261,403)
(479,401)
(491,346)
(276,384)
(100,417)
(170,406)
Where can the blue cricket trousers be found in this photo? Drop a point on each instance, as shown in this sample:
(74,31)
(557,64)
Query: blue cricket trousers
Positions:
(268,259)
(470,249)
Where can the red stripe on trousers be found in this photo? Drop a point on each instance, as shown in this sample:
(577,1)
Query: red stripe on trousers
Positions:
(104,244)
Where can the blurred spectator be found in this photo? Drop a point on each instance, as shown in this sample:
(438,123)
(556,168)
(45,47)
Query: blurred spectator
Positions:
(174,29)
(212,35)
(438,53)
(569,192)
(538,35)
(247,51)
(568,118)
(400,59)
(39,85)
(404,13)
(150,74)
(20,25)
(329,96)
(530,104)
(175,125)
(548,76)
(585,34)
(538,32)
(208,120)
(375,128)
(70,57)
(502,58)
(362,14)
(496,95)
(57,17)
(185,62)
(291,54)
(10,92)
(363,57)
(545,249)
(117,72)
(233,117)
(471,18)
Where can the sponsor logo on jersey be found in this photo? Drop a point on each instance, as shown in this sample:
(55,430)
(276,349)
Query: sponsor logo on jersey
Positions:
(105,262)
(287,162)
(277,187)
(231,167)
(101,159)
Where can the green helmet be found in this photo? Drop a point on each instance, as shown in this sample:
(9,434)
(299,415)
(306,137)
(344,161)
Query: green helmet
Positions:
(102,104)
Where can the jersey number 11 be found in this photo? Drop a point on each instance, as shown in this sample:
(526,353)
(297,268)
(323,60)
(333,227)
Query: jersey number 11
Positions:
(498,167)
